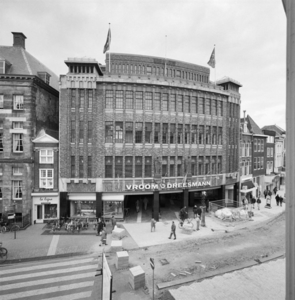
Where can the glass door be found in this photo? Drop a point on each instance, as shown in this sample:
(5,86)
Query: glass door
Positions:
(39,212)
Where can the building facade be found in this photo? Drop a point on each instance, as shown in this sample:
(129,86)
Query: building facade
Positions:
(28,102)
(145,127)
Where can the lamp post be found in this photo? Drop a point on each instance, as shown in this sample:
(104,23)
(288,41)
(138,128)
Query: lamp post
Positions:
(14,209)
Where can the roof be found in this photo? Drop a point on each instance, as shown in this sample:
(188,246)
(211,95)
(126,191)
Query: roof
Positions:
(83,61)
(278,130)
(228,79)
(44,138)
(23,63)
(253,127)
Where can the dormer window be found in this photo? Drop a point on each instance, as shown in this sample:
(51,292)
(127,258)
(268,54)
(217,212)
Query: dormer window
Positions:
(44,76)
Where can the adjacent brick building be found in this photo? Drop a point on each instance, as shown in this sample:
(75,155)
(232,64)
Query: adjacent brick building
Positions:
(145,128)
(28,102)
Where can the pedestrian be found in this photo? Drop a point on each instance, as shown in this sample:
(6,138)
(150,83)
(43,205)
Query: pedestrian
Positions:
(114,222)
(207,204)
(198,222)
(265,193)
(153,224)
(173,229)
(258,203)
(281,200)
(275,190)
(137,206)
(253,200)
(183,214)
(278,199)
(199,211)
(145,201)
(103,237)
(195,211)
(269,193)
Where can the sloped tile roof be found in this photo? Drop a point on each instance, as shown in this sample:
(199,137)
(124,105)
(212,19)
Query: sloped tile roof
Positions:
(253,127)
(278,130)
(23,63)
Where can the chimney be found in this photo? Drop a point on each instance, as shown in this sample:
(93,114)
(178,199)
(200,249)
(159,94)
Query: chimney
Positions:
(19,39)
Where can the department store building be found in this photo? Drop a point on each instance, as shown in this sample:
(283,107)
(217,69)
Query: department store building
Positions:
(145,127)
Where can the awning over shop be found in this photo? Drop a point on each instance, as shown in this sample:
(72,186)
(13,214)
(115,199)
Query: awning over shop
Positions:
(269,179)
(82,197)
(248,186)
(113,197)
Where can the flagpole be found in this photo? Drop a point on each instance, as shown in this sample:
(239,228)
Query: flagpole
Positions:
(110,54)
(215,63)
(165,73)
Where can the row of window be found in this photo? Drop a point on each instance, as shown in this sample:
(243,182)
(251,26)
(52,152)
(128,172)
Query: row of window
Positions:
(139,166)
(15,125)
(15,171)
(258,145)
(139,132)
(125,68)
(258,163)
(80,131)
(81,98)
(18,102)
(245,149)
(269,152)
(16,186)
(245,167)
(77,170)
(162,101)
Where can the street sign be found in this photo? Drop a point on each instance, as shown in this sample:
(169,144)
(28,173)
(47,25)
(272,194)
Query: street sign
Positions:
(152,263)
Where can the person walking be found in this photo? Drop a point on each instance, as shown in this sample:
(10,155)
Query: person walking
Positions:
(277,197)
(258,203)
(253,200)
(103,237)
(281,200)
(173,229)
(275,190)
(195,211)
(145,201)
(265,193)
(114,222)
(153,224)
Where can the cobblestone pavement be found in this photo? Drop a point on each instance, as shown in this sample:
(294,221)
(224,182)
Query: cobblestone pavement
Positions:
(262,282)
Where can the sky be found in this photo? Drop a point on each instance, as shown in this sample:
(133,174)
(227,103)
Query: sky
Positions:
(250,39)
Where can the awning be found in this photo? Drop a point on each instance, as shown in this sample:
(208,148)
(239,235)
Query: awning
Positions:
(112,197)
(82,196)
(248,186)
(269,179)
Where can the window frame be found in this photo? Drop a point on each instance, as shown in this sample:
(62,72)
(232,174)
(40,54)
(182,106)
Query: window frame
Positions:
(14,140)
(47,156)
(47,179)
(17,185)
(18,105)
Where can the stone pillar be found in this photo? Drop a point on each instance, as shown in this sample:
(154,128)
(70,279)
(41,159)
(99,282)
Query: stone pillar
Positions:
(156,205)
(98,205)
(290,146)
(185,198)
(222,192)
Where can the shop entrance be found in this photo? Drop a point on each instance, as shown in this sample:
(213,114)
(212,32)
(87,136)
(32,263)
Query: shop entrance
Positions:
(39,212)
(145,207)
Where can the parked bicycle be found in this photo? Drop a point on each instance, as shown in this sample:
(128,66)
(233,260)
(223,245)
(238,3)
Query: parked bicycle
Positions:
(6,227)
(3,253)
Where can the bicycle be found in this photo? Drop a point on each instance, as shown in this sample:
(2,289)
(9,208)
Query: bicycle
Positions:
(3,253)
(7,228)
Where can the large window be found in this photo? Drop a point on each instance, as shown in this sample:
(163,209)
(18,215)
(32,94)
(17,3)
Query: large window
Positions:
(148,133)
(220,108)
(172,133)
(46,156)
(172,102)
(90,99)
(148,166)
(73,173)
(208,106)
(16,171)
(214,108)
(214,135)
(201,134)
(208,135)
(165,133)
(108,167)
(179,166)
(179,133)
(18,102)
(50,211)
(255,145)
(186,104)
(81,98)
(118,166)
(119,99)
(18,142)
(109,99)
(157,102)
(194,165)
(148,101)
(129,100)
(81,132)
(165,166)
(109,132)
(17,190)
(46,179)
(119,132)
(128,132)
(157,133)
(138,166)
(138,132)
(187,134)
(138,101)
(89,167)
(194,105)
(165,102)
(81,167)
(15,125)
(201,106)
(219,135)
(194,132)
(179,103)
(128,166)
(201,165)
(73,98)
(172,166)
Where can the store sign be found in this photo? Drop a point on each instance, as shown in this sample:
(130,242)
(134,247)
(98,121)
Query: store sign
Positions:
(179,185)
(45,199)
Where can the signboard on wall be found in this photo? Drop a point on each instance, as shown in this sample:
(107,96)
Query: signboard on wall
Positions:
(106,279)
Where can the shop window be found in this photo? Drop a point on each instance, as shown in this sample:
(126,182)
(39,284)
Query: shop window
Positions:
(165,133)
(90,99)
(17,125)
(179,166)
(128,166)
(89,167)
(194,105)
(187,134)
(157,133)
(89,131)
(46,178)
(138,166)
(128,132)
(138,132)
(108,167)
(81,98)
(109,132)
(46,156)
(119,99)
(148,133)
(109,99)
(201,106)
(1,141)
(17,190)
(186,104)
(118,166)
(81,132)
(148,166)
(119,132)
(115,208)
(179,103)
(165,102)
(201,134)
(179,133)
(1,101)
(138,101)
(18,102)
(172,166)
(172,102)
(129,100)
(73,173)
(17,171)
(148,101)
(157,102)
(18,142)
(165,166)
(50,211)
(172,133)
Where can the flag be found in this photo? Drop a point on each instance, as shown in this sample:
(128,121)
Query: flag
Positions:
(108,42)
(211,62)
